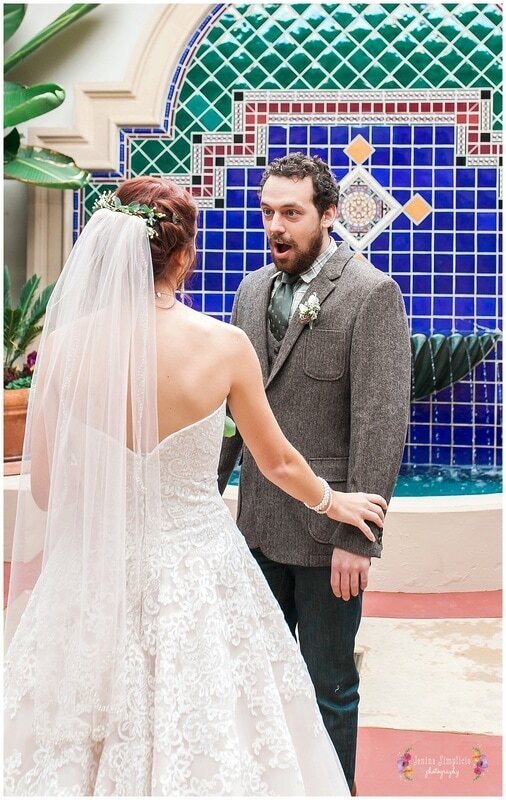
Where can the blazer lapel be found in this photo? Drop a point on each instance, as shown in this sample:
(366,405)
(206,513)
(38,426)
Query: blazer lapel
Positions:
(257,329)
(322,286)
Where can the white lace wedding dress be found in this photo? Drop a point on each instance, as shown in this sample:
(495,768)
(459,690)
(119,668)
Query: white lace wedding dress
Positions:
(219,699)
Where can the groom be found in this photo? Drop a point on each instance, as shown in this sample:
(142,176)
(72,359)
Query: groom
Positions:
(339,386)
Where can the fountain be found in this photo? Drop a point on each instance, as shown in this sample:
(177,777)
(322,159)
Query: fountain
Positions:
(439,361)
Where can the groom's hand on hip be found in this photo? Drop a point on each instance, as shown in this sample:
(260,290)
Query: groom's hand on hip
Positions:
(348,573)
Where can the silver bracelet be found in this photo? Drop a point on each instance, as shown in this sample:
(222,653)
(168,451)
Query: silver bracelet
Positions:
(323,506)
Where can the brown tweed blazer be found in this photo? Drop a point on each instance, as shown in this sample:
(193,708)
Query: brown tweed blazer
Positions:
(341,395)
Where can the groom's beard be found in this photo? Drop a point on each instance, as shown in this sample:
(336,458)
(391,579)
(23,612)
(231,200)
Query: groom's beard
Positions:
(300,259)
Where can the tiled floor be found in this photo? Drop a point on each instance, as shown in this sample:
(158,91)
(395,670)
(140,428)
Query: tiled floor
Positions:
(430,683)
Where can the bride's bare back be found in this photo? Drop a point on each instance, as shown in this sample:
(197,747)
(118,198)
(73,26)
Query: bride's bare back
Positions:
(194,365)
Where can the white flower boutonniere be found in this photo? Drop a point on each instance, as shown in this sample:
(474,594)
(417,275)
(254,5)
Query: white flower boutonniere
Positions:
(308,311)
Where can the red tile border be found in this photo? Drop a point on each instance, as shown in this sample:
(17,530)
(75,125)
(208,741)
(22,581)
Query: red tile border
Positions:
(445,605)
(258,113)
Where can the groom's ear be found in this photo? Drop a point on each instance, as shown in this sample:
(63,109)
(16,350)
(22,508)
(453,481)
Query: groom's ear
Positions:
(329,216)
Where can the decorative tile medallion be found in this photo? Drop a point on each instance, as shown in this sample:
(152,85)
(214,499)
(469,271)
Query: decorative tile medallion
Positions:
(364,210)
(404,102)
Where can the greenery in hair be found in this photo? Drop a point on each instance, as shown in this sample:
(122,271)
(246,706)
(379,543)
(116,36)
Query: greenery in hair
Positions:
(150,215)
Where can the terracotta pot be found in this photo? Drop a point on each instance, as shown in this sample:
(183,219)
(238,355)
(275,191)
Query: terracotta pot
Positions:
(15,406)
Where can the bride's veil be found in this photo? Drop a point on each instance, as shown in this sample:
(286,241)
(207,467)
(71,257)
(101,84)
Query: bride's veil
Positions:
(89,495)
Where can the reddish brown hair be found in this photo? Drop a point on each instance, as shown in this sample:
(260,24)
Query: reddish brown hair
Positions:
(173,236)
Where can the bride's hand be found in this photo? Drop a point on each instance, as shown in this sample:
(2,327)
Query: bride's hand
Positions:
(355,508)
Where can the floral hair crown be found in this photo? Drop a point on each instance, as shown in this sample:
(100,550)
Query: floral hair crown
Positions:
(150,215)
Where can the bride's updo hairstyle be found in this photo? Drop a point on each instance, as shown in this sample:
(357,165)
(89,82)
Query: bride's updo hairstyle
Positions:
(175,233)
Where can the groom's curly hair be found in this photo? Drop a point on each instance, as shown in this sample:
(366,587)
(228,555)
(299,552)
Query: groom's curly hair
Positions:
(299,165)
(176,232)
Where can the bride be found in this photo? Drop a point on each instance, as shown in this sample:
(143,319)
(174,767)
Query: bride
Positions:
(151,657)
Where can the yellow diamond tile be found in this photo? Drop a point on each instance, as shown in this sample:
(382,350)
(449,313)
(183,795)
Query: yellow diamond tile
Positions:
(359,149)
(417,209)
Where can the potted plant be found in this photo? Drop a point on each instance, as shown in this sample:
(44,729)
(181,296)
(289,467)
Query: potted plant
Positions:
(21,327)
(40,167)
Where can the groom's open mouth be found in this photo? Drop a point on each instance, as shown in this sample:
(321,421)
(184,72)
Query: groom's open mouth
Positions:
(280,248)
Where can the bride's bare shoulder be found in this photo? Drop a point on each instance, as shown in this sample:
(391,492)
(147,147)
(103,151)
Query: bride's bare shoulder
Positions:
(221,332)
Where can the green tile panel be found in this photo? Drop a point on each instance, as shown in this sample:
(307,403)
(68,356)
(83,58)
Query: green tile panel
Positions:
(331,46)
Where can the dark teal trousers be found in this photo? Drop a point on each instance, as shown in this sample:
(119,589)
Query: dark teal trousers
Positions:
(326,629)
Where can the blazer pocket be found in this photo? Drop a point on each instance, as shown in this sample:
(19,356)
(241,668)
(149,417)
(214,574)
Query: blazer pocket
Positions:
(335,472)
(324,355)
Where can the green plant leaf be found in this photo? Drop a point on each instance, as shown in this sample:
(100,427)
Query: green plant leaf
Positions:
(11,145)
(22,103)
(20,383)
(230,428)
(13,17)
(59,24)
(12,318)
(27,295)
(24,333)
(27,336)
(44,167)
(20,324)
(7,288)
(40,305)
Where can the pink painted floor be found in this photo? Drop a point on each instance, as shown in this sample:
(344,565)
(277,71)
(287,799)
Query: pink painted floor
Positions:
(454,605)
(442,764)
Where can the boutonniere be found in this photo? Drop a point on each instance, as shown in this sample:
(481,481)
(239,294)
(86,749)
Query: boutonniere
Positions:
(308,311)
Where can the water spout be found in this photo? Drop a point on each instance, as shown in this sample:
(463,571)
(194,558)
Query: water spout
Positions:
(439,361)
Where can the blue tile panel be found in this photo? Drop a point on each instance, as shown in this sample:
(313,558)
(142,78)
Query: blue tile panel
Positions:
(448,265)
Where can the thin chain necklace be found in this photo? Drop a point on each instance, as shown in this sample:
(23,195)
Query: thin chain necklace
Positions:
(159,296)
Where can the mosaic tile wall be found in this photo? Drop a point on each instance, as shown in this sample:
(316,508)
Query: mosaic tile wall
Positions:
(404,103)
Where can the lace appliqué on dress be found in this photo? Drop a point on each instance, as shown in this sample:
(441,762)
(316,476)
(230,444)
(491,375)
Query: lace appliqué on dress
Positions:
(219,700)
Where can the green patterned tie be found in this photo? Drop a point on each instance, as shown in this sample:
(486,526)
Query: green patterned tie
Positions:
(278,312)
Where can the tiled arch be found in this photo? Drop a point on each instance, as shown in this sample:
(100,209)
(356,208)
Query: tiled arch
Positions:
(403,101)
